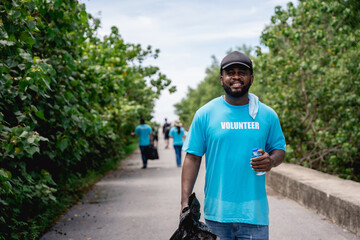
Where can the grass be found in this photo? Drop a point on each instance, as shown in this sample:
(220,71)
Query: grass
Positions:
(130,148)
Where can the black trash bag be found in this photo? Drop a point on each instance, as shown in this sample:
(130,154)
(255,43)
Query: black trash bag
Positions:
(151,153)
(190,228)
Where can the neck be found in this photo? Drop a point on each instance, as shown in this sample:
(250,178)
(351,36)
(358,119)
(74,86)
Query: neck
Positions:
(243,100)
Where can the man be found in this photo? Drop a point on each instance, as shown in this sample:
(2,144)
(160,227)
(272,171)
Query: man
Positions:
(226,130)
(144,132)
(166,131)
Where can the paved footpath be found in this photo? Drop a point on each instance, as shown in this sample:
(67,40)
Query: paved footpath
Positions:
(144,204)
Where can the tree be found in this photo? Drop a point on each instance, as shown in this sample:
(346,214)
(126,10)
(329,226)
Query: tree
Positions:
(312,75)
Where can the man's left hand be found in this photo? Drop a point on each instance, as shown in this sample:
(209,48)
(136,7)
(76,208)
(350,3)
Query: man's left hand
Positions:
(262,163)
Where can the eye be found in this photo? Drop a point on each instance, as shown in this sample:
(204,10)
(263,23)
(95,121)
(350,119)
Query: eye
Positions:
(231,73)
(243,74)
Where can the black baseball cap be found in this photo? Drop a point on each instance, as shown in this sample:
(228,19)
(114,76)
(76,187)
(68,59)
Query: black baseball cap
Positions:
(236,57)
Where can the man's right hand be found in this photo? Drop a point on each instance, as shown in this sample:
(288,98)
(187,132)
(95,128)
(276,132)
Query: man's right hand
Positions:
(189,174)
(182,208)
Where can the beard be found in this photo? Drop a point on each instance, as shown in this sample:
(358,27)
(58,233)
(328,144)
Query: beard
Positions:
(236,94)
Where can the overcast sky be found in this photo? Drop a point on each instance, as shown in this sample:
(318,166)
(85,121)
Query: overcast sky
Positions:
(187,32)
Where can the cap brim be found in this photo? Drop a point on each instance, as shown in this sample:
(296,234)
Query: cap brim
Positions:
(227,65)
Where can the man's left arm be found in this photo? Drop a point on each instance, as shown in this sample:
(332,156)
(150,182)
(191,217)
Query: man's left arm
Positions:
(275,144)
(151,136)
(267,161)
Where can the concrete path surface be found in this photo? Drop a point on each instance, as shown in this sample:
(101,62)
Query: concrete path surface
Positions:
(135,204)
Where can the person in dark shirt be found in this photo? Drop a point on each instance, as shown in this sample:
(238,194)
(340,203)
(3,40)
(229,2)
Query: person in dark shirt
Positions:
(166,130)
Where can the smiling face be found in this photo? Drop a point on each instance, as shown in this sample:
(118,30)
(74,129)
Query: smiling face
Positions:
(236,80)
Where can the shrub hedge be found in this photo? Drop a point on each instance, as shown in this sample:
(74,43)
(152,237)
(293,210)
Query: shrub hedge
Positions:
(68,102)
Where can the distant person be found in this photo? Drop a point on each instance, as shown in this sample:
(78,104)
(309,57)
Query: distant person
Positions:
(155,134)
(145,139)
(166,130)
(178,134)
(227,130)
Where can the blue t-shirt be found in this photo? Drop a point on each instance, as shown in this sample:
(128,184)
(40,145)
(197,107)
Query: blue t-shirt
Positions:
(178,137)
(226,135)
(143,131)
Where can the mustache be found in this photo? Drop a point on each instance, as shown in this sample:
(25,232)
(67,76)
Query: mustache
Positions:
(236,94)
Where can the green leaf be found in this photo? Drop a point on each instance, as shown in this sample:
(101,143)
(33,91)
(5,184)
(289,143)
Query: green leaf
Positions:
(62,145)
(31,139)
(34,88)
(15,13)
(11,63)
(46,83)
(7,43)
(24,134)
(3,34)
(84,16)
(32,150)
(68,95)
(4,175)
(26,56)
(27,38)
(53,198)
(40,114)
(43,139)
(21,66)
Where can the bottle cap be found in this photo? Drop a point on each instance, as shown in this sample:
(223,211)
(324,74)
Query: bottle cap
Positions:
(254,149)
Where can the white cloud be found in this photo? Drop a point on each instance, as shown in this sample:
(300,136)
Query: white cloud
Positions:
(187,33)
(278,2)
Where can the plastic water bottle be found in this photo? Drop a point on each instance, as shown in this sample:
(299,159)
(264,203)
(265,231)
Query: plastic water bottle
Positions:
(255,154)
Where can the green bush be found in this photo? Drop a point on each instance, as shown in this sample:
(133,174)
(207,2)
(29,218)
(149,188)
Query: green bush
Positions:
(68,103)
(311,78)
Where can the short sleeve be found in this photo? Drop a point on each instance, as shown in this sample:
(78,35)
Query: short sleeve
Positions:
(182,132)
(276,139)
(136,131)
(195,140)
(150,129)
(171,133)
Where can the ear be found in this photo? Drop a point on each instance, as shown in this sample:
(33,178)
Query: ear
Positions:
(222,80)
(251,79)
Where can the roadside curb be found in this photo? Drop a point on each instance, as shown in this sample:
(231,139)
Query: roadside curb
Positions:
(335,198)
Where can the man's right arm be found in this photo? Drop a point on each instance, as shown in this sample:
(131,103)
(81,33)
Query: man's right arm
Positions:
(189,174)
(134,132)
(151,136)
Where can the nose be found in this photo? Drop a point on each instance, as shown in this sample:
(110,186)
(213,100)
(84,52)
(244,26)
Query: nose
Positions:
(237,76)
